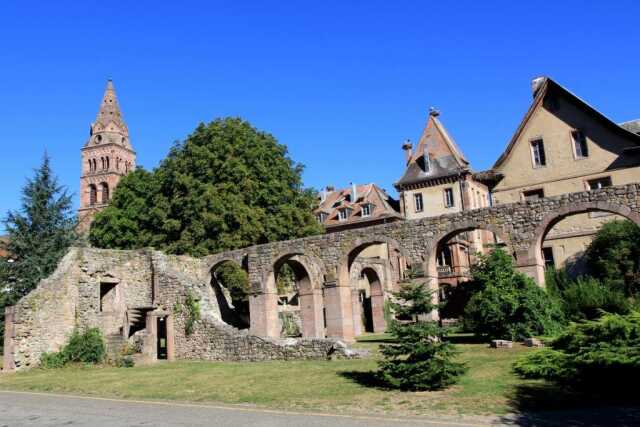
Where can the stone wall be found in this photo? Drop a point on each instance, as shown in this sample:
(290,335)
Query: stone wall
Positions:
(45,317)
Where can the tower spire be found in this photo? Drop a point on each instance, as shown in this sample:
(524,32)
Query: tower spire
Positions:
(109,118)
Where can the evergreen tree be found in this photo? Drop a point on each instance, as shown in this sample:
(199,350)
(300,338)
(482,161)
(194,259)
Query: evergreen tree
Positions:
(421,359)
(227,186)
(39,234)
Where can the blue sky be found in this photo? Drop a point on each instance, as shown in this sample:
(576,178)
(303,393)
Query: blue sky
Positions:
(341,83)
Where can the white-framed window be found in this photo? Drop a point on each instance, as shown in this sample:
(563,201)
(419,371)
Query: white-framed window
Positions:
(417,202)
(321,217)
(449,201)
(343,214)
(366,210)
(580,147)
(538,155)
(598,183)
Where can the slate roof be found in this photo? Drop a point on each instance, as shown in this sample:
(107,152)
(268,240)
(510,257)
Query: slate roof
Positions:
(445,157)
(632,126)
(384,207)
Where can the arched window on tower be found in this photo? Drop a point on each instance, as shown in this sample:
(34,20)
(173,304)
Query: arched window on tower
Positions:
(90,165)
(94,166)
(93,194)
(107,162)
(105,192)
(117,163)
(102,162)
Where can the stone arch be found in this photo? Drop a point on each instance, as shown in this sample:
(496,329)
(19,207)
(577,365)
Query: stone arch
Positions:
(534,259)
(230,313)
(308,272)
(444,236)
(342,306)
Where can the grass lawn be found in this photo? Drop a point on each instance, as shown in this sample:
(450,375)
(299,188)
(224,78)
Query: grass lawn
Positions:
(488,388)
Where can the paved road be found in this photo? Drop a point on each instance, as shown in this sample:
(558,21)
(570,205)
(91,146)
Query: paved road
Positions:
(35,409)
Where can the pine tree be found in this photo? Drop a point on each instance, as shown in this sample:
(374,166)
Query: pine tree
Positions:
(39,234)
(421,359)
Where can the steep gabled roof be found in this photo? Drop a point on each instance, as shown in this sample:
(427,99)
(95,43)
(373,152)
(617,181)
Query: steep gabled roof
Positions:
(445,157)
(548,87)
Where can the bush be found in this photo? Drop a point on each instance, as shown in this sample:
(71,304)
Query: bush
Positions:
(586,299)
(595,355)
(507,304)
(53,360)
(613,256)
(421,359)
(125,362)
(85,347)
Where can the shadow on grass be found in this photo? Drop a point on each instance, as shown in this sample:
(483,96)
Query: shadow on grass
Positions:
(544,404)
(463,338)
(366,379)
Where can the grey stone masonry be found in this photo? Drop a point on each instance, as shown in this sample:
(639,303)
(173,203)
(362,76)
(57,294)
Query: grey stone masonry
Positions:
(105,288)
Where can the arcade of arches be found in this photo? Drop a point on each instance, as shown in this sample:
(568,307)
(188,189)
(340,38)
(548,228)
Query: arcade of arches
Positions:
(342,279)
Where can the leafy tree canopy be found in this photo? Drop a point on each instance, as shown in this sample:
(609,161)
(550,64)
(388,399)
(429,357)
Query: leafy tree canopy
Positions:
(227,186)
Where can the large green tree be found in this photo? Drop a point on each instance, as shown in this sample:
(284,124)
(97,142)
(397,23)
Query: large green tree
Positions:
(228,185)
(38,235)
(507,304)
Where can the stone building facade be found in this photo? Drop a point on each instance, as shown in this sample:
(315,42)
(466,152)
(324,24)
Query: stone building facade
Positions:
(564,145)
(437,180)
(116,290)
(106,157)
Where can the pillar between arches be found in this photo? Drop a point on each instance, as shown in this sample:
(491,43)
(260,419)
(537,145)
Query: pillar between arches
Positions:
(377,310)
(356,308)
(263,313)
(339,311)
(311,312)
(532,267)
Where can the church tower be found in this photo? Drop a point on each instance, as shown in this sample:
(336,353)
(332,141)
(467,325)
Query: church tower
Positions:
(106,157)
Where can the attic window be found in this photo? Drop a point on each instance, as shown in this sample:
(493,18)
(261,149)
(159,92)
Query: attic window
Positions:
(580,147)
(366,210)
(537,152)
(321,217)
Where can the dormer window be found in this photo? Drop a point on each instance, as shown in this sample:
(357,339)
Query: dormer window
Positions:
(321,217)
(366,210)
(343,214)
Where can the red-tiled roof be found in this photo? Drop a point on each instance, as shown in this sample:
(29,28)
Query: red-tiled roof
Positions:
(382,206)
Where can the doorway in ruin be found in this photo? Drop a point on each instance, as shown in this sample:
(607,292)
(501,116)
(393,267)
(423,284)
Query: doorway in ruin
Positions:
(300,308)
(371,297)
(230,283)
(162,345)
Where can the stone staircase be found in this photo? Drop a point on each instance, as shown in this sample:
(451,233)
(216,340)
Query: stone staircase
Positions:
(137,319)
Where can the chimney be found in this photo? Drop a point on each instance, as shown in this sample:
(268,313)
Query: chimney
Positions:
(407,147)
(354,192)
(536,84)
(323,195)
(330,188)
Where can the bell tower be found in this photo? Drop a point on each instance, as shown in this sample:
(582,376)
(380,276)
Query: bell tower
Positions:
(106,157)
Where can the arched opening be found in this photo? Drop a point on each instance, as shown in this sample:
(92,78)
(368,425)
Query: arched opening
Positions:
(104,188)
(450,261)
(95,165)
(300,306)
(93,194)
(371,299)
(90,165)
(387,260)
(563,236)
(230,284)
(107,162)
(102,162)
